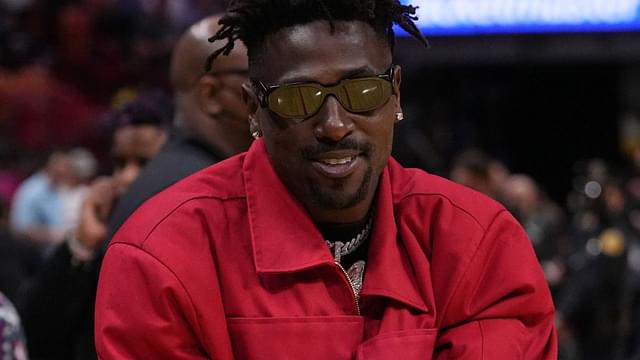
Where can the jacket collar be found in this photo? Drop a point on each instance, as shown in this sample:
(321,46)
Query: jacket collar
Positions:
(285,239)
(389,272)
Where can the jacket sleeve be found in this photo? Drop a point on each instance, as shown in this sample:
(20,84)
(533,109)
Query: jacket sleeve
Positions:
(143,310)
(501,308)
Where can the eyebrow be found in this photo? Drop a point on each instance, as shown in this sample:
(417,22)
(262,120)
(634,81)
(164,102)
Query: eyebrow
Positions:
(358,72)
(363,71)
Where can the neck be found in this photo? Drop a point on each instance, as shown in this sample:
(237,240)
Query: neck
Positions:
(340,231)
(206,129)
(349,215)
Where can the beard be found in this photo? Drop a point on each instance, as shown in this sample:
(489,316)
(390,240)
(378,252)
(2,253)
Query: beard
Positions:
(335,198)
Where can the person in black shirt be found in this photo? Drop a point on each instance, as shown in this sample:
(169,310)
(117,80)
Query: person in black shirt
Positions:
(210,118)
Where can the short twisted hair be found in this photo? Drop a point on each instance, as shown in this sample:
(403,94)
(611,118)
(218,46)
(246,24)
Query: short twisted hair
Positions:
(251,21)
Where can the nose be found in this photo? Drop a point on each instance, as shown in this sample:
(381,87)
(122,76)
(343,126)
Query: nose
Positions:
(333,122)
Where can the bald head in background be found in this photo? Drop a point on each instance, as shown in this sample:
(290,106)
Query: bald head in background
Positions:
(210,117)
(209,104)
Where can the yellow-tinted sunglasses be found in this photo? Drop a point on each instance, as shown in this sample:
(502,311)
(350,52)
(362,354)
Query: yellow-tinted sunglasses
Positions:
(299,101)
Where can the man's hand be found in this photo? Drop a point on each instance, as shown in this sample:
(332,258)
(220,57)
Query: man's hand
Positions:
(92,228)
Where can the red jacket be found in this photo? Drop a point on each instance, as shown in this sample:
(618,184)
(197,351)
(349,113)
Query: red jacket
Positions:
(227,265)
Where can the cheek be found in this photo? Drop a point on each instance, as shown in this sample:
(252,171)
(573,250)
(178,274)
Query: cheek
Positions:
(388,139)
(383,152)
(281,149)
(232,101)
(381,137)
(280,138)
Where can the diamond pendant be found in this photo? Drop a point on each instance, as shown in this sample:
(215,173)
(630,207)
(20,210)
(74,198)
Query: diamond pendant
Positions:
(356,276)
(337,250)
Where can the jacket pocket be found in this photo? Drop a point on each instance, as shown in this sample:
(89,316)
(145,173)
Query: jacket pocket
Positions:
(405,345)
(306,338)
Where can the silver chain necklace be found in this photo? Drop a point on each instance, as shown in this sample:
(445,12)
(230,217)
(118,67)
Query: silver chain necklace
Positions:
(340,249)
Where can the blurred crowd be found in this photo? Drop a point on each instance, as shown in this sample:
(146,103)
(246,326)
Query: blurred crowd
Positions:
(84,103)
(65,63)
(76,75)
(589,248)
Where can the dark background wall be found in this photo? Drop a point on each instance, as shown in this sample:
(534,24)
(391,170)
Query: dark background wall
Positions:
(539,103)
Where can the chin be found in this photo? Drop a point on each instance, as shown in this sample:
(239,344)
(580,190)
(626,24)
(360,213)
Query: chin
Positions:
(337,201)
(342,195)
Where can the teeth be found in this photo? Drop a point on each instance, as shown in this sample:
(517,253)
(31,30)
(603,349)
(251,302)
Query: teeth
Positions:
(337,161)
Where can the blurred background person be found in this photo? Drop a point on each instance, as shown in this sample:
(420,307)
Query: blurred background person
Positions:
(37,212)
(544,223)
(210,118)
(45,210)
(12,343)
(19,259)
(477,170)
(83,169)
(57,304)
(598,311)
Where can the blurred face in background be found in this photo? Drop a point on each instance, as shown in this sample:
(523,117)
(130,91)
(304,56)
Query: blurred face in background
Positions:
(468,178)
(59,169)
(133,146)
(209,104)
(231,72)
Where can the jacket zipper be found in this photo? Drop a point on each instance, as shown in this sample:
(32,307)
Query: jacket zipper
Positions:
(353,290)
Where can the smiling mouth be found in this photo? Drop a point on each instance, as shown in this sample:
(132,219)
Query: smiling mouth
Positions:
(342,161)
(336,166)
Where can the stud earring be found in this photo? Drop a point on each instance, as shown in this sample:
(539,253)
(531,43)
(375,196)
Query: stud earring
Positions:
(256,134)
(399,116)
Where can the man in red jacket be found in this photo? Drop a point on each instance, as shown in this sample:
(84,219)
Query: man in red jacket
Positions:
(315,244)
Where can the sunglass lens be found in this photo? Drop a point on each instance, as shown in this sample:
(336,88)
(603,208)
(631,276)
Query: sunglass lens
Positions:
(295,101)
(367,94)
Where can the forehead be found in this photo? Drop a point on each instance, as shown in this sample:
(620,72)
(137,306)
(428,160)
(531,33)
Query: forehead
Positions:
(136,140)
(236,60)
(311,52)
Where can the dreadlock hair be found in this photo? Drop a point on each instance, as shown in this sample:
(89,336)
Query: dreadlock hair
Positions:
(251,21)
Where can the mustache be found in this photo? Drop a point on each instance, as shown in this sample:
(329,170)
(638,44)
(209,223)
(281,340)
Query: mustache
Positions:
(312,151)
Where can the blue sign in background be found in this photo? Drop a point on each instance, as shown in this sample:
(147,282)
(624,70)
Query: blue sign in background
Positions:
(471,17)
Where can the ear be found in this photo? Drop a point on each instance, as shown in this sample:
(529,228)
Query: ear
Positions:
(207,89)
(253,104)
